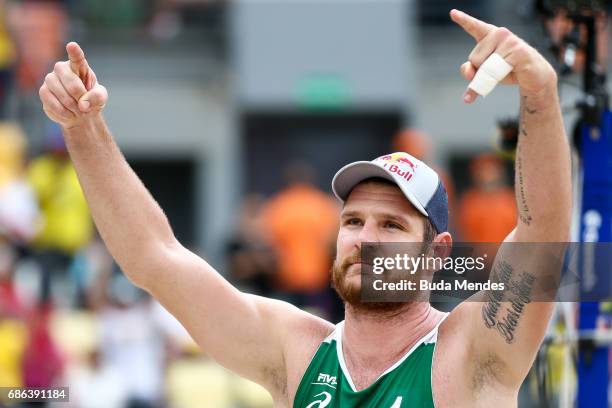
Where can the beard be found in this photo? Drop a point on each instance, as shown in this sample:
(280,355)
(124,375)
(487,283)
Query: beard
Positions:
(350,291)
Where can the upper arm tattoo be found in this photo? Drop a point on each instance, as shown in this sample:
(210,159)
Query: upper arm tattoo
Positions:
(503,309)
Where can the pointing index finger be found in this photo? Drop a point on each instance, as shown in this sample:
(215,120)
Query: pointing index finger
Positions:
(476,28)
(78,63)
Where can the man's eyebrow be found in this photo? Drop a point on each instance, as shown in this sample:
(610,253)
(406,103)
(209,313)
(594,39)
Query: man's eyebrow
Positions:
(350,213)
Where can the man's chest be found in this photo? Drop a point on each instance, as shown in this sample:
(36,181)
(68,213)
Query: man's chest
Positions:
(330,382)
(365,376)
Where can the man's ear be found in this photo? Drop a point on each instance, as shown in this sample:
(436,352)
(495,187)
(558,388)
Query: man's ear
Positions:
(442,245)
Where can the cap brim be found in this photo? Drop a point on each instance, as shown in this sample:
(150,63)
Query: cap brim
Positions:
(354,173)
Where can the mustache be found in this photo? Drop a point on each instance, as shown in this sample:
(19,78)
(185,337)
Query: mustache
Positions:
(350,260)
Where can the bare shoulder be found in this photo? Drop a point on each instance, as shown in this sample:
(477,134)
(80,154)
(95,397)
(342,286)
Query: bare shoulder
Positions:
(301,333)
(293,322)
(303,342)
(461,374)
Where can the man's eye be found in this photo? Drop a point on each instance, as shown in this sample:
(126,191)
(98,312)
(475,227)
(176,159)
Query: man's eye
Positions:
(392,225)
(353,221)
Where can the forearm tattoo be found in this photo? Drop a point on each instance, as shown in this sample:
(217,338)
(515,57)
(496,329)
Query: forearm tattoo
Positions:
(525,110)
(521,194)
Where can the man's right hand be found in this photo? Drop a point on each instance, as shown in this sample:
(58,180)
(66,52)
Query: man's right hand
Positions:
(71,93)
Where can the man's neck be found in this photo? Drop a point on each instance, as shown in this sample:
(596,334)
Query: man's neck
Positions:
(378,342)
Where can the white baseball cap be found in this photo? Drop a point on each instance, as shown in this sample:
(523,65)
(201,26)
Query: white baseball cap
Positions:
(420,184)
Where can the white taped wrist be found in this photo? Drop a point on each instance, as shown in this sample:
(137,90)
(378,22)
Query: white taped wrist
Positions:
(490,73)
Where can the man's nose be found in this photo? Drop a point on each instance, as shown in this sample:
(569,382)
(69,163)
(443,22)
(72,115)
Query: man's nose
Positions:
(369,233)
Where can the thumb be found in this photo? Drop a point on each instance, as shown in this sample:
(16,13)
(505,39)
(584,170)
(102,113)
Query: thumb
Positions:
(94,99)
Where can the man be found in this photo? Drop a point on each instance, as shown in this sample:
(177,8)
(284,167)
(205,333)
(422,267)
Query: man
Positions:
(475,362)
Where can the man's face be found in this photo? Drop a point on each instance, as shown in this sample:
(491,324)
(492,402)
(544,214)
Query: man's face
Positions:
(373,212)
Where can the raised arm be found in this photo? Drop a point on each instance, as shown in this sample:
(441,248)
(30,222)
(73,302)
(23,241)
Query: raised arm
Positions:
(511,333)
(245,333)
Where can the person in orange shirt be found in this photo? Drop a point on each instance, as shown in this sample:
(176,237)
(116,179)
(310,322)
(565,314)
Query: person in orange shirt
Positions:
(301,222)
(487,211)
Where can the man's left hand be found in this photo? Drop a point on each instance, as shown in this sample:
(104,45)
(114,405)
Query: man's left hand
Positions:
(533,74)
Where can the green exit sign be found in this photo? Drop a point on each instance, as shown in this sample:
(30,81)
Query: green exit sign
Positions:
(323,91)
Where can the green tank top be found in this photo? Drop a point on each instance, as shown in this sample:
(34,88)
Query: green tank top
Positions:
(328,384)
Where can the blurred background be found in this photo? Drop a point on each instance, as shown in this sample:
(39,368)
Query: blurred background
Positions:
(235,115)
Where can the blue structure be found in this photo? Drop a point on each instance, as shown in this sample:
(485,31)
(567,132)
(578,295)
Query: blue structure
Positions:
(595,226)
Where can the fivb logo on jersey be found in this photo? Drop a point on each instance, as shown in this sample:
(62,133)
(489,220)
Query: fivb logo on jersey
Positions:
(326,379)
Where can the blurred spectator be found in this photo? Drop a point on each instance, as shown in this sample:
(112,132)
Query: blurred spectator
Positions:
(251,260)
(67,225)
(11,306)
(568,39)
(487,211)
(96,385)
(39,30)
(170,17)
(13,335)
(19,213)
(86,266)
(132,339)
(13,332)
(302,224)
(43,363)
(132,344)
(7,59)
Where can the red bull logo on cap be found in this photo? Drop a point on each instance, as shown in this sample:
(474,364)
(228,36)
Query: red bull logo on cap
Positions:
(405,160)
(399,164)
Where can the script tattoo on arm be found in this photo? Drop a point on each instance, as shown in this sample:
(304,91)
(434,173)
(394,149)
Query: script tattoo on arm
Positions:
(503,309)
(523,207)
(525,109)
